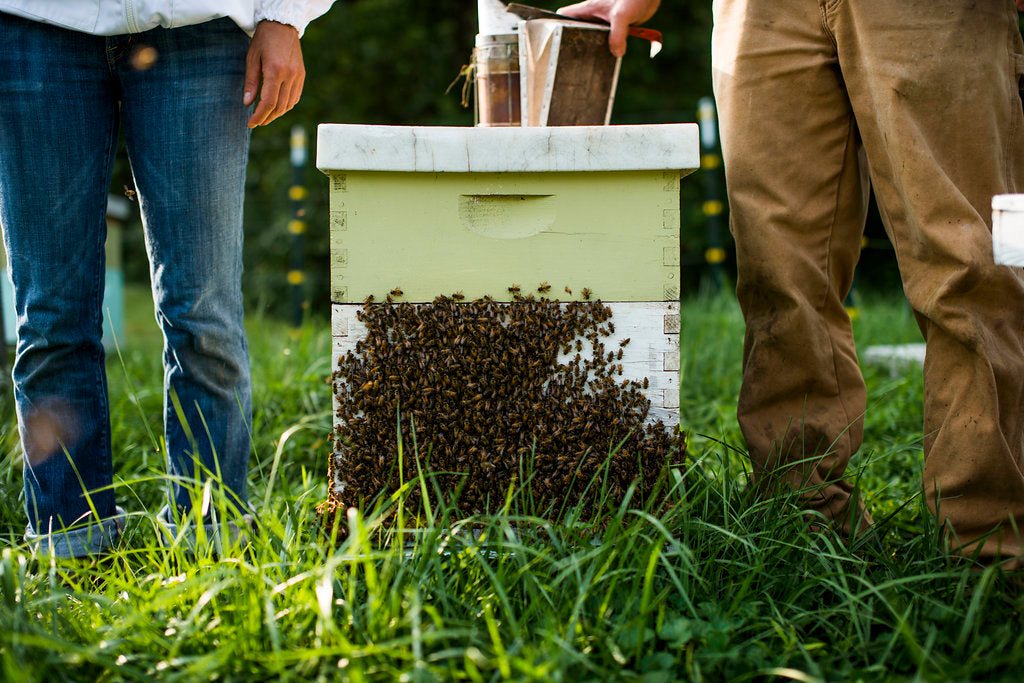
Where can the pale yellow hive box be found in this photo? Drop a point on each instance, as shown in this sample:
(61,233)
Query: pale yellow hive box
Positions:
(439,210)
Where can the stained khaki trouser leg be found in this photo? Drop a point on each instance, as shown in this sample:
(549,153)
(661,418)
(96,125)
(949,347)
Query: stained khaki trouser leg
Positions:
(932,85)
(798,201)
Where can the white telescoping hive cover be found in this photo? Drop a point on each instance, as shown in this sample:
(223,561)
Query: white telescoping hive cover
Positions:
(463,149)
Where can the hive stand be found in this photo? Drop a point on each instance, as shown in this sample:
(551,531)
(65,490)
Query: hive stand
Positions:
(439,210)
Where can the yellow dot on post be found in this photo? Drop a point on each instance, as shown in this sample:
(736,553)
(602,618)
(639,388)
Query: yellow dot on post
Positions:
(296,277)
(714,255)
(296,227)
(712,207)
(709,161)
(853,312)
(297,192)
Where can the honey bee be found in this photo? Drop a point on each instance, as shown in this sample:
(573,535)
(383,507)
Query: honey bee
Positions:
(545,287)
(397,292)
(514,289)
(484,410)
(586,294)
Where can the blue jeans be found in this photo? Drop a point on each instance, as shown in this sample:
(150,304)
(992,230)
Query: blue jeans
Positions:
(63,97)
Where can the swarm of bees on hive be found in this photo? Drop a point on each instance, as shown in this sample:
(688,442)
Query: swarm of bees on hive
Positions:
(489,395)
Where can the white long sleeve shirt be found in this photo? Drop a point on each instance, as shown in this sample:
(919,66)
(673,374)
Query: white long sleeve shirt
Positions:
(115,17)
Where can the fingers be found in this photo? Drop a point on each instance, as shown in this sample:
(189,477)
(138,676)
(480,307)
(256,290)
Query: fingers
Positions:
(590,9)
(619,13)
(275,57)
(605,11)
(618,34)
(277,97)
(280,92)
(252,77)
(294,93)
(267,108)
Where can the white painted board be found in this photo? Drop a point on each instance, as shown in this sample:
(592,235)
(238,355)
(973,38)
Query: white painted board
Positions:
(458,149)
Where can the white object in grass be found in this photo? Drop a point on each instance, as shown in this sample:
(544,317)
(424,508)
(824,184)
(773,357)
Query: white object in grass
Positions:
(1008,229)
(899,358)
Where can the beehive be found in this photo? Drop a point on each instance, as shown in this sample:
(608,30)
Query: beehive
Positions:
(436,211)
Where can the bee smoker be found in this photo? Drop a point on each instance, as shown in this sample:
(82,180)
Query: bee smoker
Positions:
(496,66)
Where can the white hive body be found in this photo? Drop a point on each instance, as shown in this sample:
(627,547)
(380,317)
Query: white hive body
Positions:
(1008,229)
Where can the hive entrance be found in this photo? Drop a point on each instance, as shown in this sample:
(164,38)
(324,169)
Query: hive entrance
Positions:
(486,395)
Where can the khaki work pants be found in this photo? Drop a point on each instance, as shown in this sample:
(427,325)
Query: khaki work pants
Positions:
(815,97)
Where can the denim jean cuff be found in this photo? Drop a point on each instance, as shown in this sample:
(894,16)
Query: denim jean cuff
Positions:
(236,531)
(81,541)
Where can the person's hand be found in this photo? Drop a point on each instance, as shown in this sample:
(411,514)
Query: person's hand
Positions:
(621,14)
(275,56)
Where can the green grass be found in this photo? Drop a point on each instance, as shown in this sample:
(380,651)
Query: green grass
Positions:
(715,586)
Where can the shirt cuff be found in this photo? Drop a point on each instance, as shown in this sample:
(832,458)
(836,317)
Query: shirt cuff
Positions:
(288,12)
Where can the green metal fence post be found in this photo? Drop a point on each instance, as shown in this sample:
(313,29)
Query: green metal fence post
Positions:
(852,301)
(297,225)
(713,206)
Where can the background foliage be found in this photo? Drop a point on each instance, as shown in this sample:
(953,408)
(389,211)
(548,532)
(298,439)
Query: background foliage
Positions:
(392,62)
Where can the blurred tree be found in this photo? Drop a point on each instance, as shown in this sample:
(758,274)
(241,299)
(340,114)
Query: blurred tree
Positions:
(391,62)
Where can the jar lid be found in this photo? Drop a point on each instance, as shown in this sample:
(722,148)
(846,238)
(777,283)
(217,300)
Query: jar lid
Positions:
(485,39)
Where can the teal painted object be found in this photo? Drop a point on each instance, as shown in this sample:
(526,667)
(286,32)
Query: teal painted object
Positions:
(118,210)
(113,308)
(7,303)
